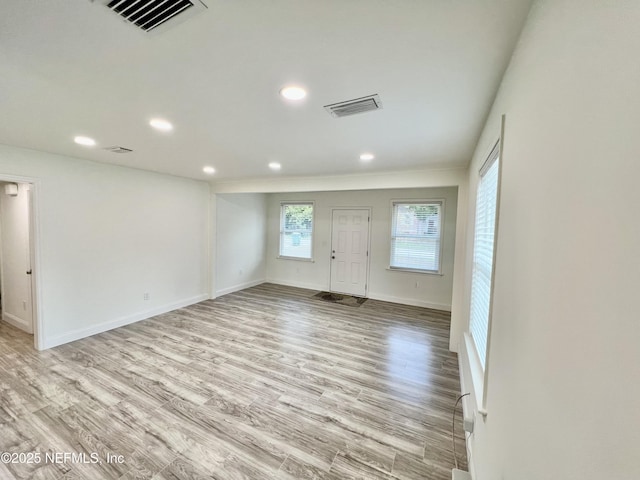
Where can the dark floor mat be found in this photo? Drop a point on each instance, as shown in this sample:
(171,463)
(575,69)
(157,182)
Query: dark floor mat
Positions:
(341,299)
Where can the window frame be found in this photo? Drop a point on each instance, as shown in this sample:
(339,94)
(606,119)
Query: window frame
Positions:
(480,367)
(283,205)
(492,159)
(440,202)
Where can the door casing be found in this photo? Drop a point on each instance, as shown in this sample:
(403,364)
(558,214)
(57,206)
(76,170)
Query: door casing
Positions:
(34,253)
(368,247)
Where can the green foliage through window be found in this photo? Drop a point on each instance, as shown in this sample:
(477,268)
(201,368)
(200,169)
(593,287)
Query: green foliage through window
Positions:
(416,236)
(296,230)
(298,217)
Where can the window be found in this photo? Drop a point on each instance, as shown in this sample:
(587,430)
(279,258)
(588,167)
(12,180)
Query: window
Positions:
(296,230)
(483,250)
(416,236)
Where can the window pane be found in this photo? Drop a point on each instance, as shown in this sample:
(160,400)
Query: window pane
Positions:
(483,247)
(296,230)
(416,236)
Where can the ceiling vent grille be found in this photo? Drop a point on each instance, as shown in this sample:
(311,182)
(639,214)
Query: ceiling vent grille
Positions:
(148,15)
(353,107)
(117,149)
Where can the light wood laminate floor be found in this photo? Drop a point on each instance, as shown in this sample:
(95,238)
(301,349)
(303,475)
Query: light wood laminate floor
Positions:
(265,383)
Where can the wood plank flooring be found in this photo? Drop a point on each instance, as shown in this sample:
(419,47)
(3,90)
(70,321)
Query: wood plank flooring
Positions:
(266,383)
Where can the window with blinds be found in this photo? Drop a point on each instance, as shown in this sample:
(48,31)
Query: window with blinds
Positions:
(416,236)
(296,230)
(483,251)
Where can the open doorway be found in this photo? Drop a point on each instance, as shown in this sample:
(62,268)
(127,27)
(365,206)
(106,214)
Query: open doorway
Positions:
(17,285)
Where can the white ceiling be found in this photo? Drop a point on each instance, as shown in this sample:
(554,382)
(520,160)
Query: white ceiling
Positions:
(73,67)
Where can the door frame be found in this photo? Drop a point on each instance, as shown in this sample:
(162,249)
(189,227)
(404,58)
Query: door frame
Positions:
(370,213)
(34,253)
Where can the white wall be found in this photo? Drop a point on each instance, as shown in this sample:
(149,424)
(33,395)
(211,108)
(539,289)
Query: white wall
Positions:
(240,241)
(106,236)
(564,363)
(16,284)
(434,291)
(425,178)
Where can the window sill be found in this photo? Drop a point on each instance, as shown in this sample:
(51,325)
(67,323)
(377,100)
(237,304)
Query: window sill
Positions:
(412,270)
(298,259)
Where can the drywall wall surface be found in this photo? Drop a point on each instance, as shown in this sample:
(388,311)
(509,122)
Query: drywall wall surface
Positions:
(241,241)
(432,291)
(16,283)
(426,178)
(106,236)
(562,394)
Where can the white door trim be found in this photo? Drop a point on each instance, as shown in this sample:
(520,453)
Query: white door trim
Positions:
(369,210)
(34,251)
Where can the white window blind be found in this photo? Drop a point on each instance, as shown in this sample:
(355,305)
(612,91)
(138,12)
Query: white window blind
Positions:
(416,236)
(483,250)
(296,230)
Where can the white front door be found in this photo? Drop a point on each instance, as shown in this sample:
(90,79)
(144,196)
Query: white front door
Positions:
(349,251)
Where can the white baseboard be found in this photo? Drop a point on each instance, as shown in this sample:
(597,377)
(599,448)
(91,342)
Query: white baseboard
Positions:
(409,301)
(17,322)
(237,288)
(308,286)
(373,296)
(119,322)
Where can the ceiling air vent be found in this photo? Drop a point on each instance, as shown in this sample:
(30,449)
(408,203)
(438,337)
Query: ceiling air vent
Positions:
(117,149)
(352,107)
(149,15)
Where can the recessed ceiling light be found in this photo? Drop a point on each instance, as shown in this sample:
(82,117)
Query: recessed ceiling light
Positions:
(86,141)
(160,124)
(366,157)
(209,170)
(275,166)
(293,92)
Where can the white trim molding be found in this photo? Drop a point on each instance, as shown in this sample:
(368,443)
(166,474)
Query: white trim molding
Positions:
(446,307)
(473,375)
(237,288)
(119,322)
(309,286)
(17,322)
(37,327)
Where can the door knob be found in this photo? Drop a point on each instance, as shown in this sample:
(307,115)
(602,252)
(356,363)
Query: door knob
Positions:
(29,272)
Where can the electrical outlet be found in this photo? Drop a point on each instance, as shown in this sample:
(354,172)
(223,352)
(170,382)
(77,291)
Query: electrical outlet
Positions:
(145,296)
(417,284)
(24,305)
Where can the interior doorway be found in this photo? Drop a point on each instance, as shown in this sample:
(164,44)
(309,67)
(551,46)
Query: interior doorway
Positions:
(350,251)
(17,255)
